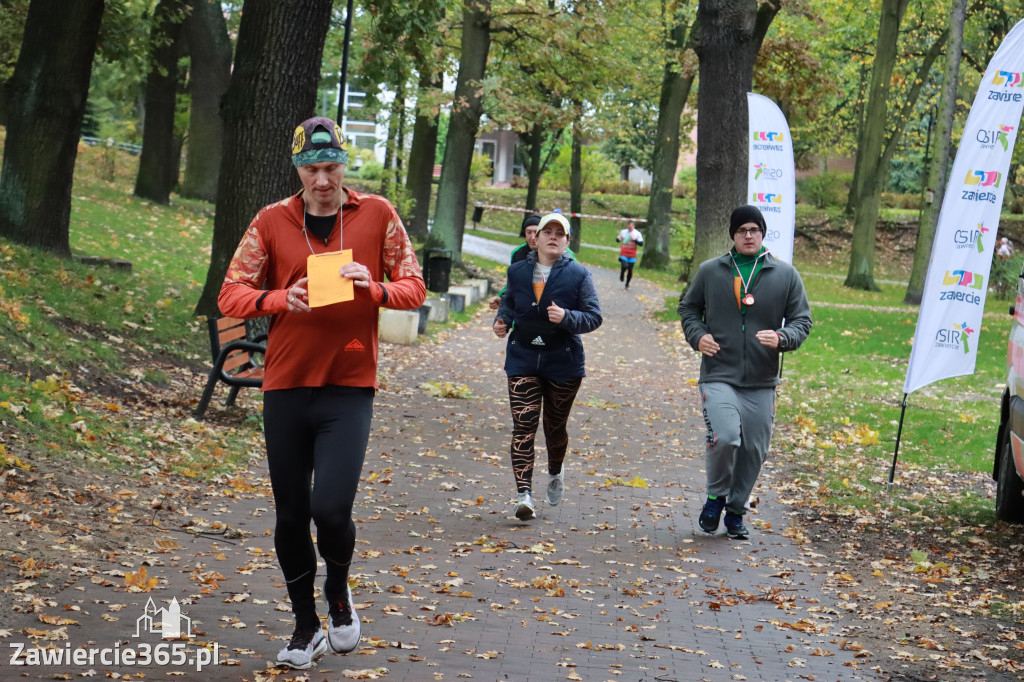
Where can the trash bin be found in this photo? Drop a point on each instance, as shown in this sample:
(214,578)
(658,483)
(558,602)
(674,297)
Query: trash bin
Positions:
(437,269)
(478,213)
(424,311)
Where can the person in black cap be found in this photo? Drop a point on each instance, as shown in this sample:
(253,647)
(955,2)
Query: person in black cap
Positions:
(733,314)
(528,231)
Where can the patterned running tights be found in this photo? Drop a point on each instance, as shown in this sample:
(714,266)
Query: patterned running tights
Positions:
(526,396)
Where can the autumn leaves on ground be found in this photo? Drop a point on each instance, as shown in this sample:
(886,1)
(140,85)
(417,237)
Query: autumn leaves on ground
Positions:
(111,495)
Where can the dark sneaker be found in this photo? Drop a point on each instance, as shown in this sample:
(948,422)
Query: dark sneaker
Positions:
(343,627)
(307,643)
(734,527)
(711,514)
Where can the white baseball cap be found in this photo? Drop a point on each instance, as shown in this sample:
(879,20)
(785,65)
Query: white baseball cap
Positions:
(555,217)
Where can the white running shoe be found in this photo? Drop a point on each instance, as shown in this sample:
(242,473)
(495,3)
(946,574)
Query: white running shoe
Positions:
(307,644)
(343,627)
(556,487)
(524,507)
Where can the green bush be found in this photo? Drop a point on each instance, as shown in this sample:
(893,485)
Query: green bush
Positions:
(619,187)
(686,183)
(596,168)
(371,170)
(893,200)
(1003,277)
(825,189)
(479,168)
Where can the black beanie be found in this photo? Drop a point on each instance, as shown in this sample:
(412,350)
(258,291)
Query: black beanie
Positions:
(532,219)
(746,214)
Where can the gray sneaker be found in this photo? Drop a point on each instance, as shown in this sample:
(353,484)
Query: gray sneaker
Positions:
(307,644)
(524,507)
(556,487)
(343,626)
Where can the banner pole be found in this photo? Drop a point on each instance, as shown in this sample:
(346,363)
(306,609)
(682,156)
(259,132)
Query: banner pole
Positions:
(896,452)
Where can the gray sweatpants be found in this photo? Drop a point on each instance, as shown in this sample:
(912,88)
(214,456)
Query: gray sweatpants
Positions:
(740,423)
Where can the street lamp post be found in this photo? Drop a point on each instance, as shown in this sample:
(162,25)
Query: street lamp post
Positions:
(344,66)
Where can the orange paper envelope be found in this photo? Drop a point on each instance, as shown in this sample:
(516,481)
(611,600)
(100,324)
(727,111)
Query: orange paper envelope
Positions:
(326,286)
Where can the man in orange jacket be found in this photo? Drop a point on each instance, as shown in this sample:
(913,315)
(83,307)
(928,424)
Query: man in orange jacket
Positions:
(321,368)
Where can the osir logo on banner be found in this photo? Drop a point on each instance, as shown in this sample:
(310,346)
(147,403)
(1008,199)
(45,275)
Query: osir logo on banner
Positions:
(970,238)
(956,337)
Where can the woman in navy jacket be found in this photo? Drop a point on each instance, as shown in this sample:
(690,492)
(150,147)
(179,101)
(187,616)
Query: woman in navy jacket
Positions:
(549,301)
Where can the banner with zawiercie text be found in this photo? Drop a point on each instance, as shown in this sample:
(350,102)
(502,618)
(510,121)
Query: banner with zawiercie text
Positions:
(953,301)
(771,184)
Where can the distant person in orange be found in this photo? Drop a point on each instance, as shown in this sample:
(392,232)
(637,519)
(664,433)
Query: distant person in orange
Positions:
(321,369)
(1005,249)
(630,238)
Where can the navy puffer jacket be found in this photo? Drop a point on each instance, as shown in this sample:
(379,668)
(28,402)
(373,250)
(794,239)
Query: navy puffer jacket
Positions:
(536,346)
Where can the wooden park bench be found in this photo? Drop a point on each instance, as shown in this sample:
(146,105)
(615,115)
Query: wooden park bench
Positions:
(232,351)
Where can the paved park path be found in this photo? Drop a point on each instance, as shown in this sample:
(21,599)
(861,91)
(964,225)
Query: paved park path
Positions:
(615,583)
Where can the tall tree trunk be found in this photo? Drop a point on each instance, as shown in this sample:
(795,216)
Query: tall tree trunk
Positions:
(400,148)
(938,173)
(279,50)
(871,174)
(539,159)
(206,33)
(45,104)
(534,139)
(729,34)
(675,89)
(421,161)
(158,164)
(576,180)
(855,189)
(393,148)
(450,216)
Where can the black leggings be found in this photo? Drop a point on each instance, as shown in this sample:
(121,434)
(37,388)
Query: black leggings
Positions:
(525,397)
(626,271)
(316,443)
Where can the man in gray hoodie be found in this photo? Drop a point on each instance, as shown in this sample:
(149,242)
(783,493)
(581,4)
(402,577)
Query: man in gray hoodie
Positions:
(741,312)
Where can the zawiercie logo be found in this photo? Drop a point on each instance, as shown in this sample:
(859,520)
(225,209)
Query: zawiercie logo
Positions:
(1008,79)
(983,178)
(964,284)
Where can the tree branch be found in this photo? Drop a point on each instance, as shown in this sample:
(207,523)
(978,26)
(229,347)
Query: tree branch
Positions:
(765,15)
(915,90)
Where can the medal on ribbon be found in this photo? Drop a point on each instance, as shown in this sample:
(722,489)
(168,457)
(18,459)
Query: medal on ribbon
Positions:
(748,298)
